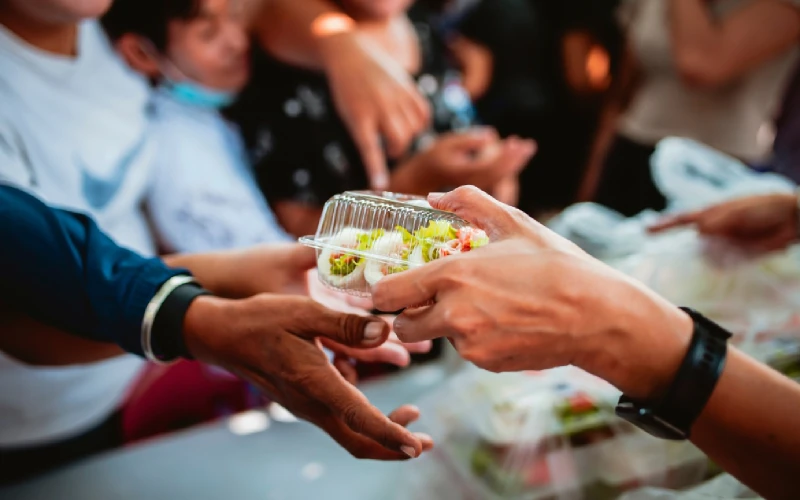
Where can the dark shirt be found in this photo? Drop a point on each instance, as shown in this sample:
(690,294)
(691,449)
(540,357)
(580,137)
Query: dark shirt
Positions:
(786,158)
(61,269)
(300,147)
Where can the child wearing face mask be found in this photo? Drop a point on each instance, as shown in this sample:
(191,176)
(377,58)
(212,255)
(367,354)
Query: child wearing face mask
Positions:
(203,196)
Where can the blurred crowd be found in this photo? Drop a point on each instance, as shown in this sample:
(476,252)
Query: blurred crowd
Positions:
(189,126)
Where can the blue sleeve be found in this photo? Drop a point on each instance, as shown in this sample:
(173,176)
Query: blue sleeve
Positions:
(61,269)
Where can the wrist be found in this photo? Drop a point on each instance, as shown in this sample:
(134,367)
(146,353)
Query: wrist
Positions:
(334,37)
(643,345)
(206,317)
(164,341)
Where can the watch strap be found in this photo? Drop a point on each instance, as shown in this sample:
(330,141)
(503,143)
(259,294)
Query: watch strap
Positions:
(692,386)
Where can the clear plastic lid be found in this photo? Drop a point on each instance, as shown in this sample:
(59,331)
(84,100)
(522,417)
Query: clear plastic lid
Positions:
(364,236)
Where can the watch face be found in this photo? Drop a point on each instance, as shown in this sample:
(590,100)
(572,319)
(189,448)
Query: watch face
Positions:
(644,419)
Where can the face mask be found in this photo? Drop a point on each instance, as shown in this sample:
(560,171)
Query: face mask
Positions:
(194,94)
(184,90)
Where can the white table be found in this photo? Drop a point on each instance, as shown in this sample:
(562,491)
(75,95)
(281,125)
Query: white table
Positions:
(287,461)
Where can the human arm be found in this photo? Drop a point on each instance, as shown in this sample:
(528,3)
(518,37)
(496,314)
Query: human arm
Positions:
(711,53)
(476,64)
(375,96)
(475,156)
(762,223)
(623,86)
(62,270)
(531,300)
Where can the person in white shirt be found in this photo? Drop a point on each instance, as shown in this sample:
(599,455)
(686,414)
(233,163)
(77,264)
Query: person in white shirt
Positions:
(75,131)
(203,195)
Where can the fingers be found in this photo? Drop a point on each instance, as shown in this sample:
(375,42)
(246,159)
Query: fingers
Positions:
(412,347)
(516,154)
(364,303)
(417,325)
(352,408)
(407,289)
(406,415)
(345,368)
(315,320)
(366,136)
(777,241)
(420,108)
(473,139)
(393,354)
(674,221)
(478,208)
(398,133)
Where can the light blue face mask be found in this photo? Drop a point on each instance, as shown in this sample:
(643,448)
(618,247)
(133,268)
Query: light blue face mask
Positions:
(184,90)
(194,94)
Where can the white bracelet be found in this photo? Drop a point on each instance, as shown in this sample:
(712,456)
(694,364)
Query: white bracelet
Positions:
(151,312)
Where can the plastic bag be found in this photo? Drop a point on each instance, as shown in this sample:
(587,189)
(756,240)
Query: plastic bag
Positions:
(756,298)
(539,435)
(602,232)
(692,176)
(689,174)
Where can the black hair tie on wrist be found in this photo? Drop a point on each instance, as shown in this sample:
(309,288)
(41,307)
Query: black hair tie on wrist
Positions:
(167,332)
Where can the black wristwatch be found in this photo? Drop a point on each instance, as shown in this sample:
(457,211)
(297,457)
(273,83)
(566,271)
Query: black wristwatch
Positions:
(673,416)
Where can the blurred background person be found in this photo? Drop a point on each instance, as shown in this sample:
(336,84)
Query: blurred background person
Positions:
(710,71)
(102,299)
(536,69)
(303,152)
(203,195)
(57,64)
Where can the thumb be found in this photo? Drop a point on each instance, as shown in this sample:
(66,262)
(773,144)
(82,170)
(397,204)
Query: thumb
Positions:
(674,221)
(478,208)
(347,329)
(302,257)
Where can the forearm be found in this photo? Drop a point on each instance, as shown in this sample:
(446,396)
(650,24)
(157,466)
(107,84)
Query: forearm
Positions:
(476,62)
(618,98)
(751,427)
(63,271)
(691,26)
(286,29)
(711,52)
(215,270)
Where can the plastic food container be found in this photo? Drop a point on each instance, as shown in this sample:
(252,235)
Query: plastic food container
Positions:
(364,236)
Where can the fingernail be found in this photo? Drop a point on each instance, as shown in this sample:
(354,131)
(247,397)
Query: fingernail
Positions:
(422,436)
(409,450)
(373,332)
(434,197)
(380,182)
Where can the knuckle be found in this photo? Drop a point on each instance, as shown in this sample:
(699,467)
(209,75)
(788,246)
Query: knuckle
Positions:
(352,417)
(350,327)
(300,379)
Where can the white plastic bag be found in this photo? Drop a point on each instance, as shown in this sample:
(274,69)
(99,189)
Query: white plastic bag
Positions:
(692,176)
(754,297)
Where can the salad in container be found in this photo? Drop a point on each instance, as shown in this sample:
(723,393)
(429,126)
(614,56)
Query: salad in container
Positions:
(364,236)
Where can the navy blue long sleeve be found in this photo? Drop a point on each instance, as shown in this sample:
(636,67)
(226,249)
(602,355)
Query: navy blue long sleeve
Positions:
(61,269)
